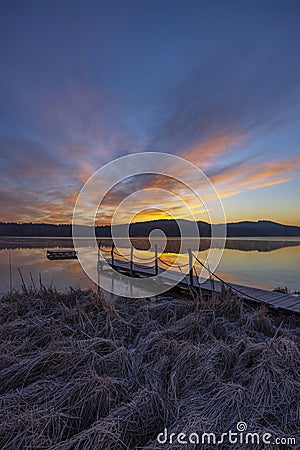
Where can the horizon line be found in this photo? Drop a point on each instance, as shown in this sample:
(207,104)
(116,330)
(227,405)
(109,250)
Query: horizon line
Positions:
(152,220)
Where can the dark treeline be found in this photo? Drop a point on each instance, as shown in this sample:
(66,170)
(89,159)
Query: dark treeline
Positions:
(35,229)
(171,228)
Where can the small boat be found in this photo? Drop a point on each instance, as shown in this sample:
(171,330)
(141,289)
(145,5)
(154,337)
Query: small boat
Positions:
(61,254)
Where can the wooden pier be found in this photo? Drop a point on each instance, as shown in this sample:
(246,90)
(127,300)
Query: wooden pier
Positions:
(273,299)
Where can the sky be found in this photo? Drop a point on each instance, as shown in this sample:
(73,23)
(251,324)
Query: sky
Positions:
(85,82)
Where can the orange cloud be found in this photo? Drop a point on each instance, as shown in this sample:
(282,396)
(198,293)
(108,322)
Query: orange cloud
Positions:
(251,176)
(204,155)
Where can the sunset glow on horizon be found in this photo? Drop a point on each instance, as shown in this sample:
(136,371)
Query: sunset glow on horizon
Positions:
(82,86)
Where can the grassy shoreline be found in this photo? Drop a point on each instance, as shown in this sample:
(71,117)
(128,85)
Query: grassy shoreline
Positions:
(81,370)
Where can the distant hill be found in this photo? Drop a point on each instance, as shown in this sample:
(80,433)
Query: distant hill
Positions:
(265,228)
(261,228)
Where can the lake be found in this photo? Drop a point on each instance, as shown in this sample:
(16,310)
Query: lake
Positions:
(259,262)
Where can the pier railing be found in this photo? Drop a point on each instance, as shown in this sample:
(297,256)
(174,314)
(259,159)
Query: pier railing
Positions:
(193,277)
(157,260)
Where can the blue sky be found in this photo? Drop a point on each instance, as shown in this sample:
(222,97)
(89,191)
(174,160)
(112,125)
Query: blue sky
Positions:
(82,83)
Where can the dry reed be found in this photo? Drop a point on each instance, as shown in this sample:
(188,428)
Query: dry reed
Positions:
(80,372)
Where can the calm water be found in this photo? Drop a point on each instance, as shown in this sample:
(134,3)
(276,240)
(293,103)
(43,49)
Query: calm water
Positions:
(257,262)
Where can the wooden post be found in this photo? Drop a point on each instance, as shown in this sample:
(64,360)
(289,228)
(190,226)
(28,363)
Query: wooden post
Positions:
(191,267)
(131,261)
(156,260)
(112,254)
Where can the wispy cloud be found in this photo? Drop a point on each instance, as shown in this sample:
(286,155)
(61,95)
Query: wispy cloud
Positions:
(221,101)
(249,175)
